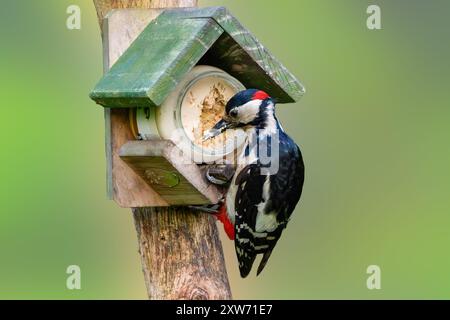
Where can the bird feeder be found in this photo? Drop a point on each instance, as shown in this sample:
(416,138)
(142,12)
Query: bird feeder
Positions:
(169,86)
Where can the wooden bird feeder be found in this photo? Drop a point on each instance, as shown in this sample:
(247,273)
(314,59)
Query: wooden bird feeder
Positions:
(168,75)
(156,90)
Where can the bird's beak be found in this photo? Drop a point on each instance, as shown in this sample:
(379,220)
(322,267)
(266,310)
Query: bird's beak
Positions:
(220,127)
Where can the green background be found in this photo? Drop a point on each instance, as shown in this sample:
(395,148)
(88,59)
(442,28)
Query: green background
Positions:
(373,127)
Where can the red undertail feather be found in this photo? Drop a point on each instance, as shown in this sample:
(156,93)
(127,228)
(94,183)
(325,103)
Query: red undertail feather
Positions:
(227,225)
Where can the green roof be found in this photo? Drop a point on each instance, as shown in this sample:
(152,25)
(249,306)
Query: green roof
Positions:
(176,41)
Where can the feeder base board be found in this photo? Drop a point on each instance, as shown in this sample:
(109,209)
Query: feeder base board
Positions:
(172,175)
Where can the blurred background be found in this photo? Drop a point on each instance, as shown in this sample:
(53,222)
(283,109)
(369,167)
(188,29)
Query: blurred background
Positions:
(373,127)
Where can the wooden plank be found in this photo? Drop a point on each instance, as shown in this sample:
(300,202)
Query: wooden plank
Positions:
(174,176)
(103,7)
(146,74)
(242,55)
(129,190)
(119,29)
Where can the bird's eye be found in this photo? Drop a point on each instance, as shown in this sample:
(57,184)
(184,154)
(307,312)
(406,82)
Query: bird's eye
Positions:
(233,113)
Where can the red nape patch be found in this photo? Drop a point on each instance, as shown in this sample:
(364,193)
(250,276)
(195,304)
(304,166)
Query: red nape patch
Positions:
(227,225)
(260,95)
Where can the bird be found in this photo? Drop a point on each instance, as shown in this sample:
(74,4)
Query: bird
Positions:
(262,194)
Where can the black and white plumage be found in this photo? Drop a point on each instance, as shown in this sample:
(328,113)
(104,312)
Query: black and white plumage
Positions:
(261,196)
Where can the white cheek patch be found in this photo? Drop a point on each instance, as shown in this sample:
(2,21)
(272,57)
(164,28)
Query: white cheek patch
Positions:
(249,111)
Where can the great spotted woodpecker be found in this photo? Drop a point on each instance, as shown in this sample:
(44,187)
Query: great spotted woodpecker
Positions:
(262,194)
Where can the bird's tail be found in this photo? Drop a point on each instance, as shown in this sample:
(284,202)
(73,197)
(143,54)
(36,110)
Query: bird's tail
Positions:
(264,260)
(246,262)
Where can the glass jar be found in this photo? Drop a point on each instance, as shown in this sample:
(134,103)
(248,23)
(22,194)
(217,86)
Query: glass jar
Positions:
(196,105)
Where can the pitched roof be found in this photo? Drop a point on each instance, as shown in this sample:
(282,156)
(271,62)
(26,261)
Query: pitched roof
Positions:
(171,45)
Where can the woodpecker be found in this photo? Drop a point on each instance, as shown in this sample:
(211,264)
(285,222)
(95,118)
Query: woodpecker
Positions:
(262,194)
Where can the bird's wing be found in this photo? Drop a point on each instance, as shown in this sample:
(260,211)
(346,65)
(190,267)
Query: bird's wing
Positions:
(286,188)
(249,193)
(287,184)
(259,221)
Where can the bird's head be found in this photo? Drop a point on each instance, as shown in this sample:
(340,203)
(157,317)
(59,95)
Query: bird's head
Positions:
(248,108)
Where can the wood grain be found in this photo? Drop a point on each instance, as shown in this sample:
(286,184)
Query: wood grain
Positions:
(104,6)
(160,160)
(128,189)
(181,254)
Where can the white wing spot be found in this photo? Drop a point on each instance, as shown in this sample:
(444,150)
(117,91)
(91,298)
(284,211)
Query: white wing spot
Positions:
(266,246)
(266,222)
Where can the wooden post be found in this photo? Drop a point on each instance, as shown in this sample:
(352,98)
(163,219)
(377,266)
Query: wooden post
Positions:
(181,253)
